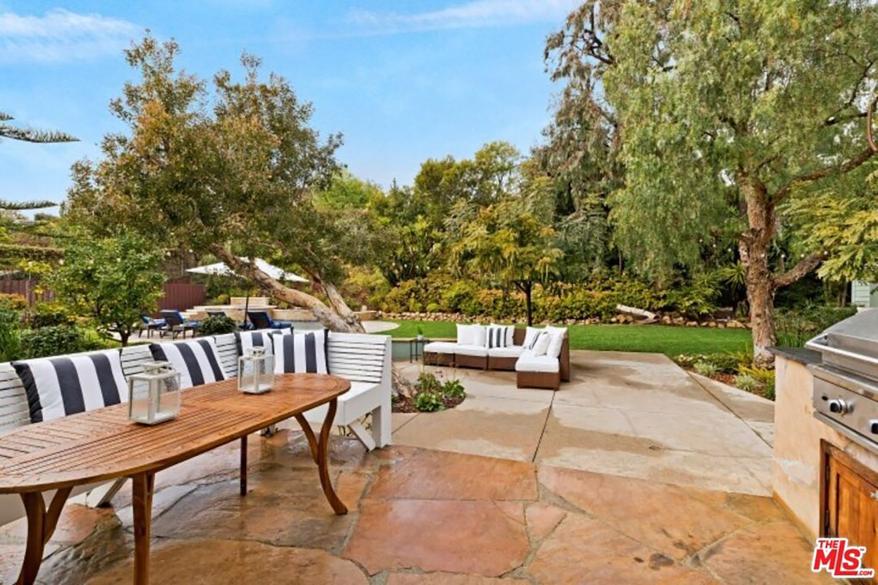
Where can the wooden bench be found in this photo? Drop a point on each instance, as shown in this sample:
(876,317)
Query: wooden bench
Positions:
(364,360)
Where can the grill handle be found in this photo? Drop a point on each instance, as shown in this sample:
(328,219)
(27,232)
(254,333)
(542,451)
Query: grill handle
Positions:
(813,344)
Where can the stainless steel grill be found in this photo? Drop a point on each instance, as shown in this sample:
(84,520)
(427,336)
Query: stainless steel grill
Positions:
(846,382)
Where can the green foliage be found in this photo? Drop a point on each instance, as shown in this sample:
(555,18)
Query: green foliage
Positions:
(762,379)
(10,330)
(50,314)
(58,340)
(431,394)
(217,325)
(746,382)
(426,401)
(705,368)
(798,325)
(112,280)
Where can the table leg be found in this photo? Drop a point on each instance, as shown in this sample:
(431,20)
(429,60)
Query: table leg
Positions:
(242,479)
(40,526)
(143,486)
(320,454)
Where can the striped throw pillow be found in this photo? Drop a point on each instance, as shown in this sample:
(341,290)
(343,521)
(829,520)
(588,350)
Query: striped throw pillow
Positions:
(197,360)
(301,352)
(498,336)
(247,340)
(64,385)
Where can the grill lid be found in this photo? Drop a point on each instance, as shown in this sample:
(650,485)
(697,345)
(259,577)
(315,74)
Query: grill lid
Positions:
(851,344)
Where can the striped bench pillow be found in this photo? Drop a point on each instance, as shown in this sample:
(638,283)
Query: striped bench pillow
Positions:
(247,340)
(197,360)
(64,385)
(498,336)
(301,352)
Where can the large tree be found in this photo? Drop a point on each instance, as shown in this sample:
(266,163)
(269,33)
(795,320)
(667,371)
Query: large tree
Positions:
(723,113)
(228,168)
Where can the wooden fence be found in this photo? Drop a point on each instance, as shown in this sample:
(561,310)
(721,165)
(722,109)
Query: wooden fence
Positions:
(180,295)
(27,288)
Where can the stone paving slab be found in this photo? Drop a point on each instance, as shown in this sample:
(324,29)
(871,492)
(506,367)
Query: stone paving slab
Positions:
(632,414)
(429,517)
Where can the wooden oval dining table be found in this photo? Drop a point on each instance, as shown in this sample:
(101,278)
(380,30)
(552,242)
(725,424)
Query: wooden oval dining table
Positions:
(102,445)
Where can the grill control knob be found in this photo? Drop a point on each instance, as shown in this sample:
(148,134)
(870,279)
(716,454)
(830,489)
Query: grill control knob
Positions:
(873,426)
(839,406)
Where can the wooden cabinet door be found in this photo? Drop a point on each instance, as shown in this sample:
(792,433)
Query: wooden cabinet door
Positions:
(851,504)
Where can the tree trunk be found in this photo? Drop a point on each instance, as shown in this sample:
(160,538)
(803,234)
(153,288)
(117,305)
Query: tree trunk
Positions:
(338,303)
(324,314)
(754,246)
(527,289)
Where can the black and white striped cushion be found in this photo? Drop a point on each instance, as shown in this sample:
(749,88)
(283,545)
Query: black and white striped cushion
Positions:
(301,352)
(64,385)
(247,340)
(498,336)
(197,360)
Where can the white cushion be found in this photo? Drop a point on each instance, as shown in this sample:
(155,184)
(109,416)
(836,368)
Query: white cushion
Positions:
(465,334)
(556,340)
(480,335)
(537,363)
(508,340)
(471,350)
(530,336)
(511,351)
(541,345)
(441,347)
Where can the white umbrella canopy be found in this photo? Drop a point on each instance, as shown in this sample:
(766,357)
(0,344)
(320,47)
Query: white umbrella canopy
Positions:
(220,269)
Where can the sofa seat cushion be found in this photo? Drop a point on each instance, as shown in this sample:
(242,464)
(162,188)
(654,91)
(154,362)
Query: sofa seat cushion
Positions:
(529,362)
(512,351)
(472,350)
(440,347)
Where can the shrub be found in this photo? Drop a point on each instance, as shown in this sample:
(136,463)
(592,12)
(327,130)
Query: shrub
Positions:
(797,326)
(746,382)
(706,368)
(54,340)
(10,333)
(764,379)
(218,325)
(13,302)
(428,401)
(453,389)
(50,314)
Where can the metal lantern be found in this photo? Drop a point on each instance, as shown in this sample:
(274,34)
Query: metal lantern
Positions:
(154,394)
(255,371)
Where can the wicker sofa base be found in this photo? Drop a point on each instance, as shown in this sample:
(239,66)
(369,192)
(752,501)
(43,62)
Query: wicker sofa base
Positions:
(546,380)
(438,359)
(471,361)
(506,364)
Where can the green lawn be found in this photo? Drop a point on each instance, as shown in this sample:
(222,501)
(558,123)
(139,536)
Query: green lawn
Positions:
(653,338)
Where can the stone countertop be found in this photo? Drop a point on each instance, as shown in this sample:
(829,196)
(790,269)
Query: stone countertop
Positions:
(798,354)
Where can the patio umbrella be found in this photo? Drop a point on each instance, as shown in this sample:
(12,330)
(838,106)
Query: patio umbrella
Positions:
(221,269)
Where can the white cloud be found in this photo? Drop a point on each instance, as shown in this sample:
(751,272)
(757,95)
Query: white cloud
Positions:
(61,35)
(473,14)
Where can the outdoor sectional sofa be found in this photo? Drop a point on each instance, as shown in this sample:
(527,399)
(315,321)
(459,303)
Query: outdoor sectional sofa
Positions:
(474,348)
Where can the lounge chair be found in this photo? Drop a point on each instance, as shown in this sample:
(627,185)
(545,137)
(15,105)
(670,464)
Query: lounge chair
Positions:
(262,320)
(177,324)
(149,325)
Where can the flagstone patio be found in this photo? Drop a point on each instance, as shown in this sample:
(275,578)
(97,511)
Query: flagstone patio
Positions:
(423,516)
(606,482)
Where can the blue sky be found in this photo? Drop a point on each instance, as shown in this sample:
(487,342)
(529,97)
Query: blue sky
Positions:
(403,81)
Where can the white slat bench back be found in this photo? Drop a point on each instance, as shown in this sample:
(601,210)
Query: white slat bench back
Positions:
(227,348)
(14,411)
(133,358)
(357,357)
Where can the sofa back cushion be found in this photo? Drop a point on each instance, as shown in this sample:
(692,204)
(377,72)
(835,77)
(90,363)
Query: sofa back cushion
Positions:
(64,385)
(556,340)
(530,337)
(301,352)
(471,335)
(197,360)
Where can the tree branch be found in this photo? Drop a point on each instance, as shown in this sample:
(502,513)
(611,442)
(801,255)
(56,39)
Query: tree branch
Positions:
(841,169)
(801,269)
